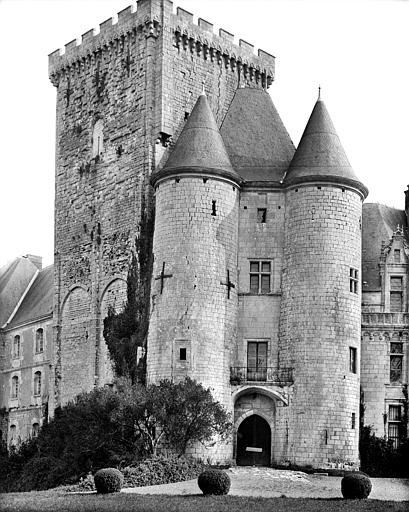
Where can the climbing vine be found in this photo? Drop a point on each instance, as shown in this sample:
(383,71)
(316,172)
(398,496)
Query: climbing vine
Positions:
(124,332)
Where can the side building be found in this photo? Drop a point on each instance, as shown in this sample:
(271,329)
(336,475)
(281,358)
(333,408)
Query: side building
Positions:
(385,320)
(27,370)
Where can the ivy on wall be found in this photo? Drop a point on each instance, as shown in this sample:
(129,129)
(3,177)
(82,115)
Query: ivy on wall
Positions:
(124,332)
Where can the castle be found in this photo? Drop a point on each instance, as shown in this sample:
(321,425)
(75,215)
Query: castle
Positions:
(259,290)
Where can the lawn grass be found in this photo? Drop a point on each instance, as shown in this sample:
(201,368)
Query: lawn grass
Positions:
(55,501)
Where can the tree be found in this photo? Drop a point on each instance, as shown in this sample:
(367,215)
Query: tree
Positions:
(192,415)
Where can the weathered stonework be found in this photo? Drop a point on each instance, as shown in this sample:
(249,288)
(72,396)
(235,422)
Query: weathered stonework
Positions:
(320,320)
(122,97)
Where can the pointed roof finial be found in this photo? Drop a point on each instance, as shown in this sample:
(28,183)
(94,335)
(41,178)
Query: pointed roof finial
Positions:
(203,93)
(319,93)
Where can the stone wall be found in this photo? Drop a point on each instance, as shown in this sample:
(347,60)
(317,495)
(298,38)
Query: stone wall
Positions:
(378,389)
(259,313)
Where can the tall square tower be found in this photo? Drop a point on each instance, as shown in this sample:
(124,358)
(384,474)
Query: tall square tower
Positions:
(123,96)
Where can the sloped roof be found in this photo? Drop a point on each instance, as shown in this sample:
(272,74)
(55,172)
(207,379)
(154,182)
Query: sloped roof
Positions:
(199,148)
(15,277)
(378,224)
(39,299)
(320,155)
(256,139)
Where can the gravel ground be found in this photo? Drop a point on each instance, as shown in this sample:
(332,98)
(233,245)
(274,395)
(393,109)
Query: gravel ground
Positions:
(273,483)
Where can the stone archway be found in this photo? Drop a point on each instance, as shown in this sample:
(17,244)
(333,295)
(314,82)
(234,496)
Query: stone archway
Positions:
(253,442)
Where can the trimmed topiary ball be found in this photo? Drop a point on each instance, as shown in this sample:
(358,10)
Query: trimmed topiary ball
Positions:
(108,480)
(356,486)
(214,481)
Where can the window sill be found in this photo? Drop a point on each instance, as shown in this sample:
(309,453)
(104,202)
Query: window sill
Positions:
(252,294)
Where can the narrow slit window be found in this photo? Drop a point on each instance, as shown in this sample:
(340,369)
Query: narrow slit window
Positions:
(352,359)
(14,387)
(353,280)
(213,208)
(353,420)
(98,139)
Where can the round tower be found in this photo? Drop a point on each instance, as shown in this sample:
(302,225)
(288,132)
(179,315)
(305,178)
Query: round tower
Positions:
(321,297)
(194,283)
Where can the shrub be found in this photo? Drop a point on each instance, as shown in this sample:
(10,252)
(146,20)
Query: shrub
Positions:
(161,470)
(108,480)
(356,486)
(379,458)
(214,481)
(86,484)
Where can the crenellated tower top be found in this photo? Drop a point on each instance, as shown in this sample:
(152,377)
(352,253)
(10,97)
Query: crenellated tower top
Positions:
(150,18)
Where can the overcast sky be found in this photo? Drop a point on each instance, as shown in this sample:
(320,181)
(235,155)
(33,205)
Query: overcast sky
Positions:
(356,50)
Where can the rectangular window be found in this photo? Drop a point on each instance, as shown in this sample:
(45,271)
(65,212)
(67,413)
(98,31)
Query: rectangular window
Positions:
(396,256)
(182,354)
(396,362)
(257,360)
(353,280)
(352,359)
(394,424)
(261,215)
(396,295)
(260,276)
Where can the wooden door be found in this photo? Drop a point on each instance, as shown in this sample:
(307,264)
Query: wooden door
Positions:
(254,442)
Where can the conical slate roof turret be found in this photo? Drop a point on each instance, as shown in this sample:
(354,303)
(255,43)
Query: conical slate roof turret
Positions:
(200,148)
(320,155)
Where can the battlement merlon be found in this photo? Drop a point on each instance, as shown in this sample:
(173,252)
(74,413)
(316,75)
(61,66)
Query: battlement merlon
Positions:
(148,17)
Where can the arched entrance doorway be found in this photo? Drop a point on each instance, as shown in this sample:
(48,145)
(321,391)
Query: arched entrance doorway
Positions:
(254,442)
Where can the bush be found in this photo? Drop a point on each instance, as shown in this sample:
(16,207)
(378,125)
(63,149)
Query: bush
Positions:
(379,458)
(161,470)
(214,481)
(108,480)
(356,486)
(40,473)
(86,484)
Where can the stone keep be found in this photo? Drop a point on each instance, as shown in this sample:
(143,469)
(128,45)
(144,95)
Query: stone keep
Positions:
(321,303)
(122,97)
